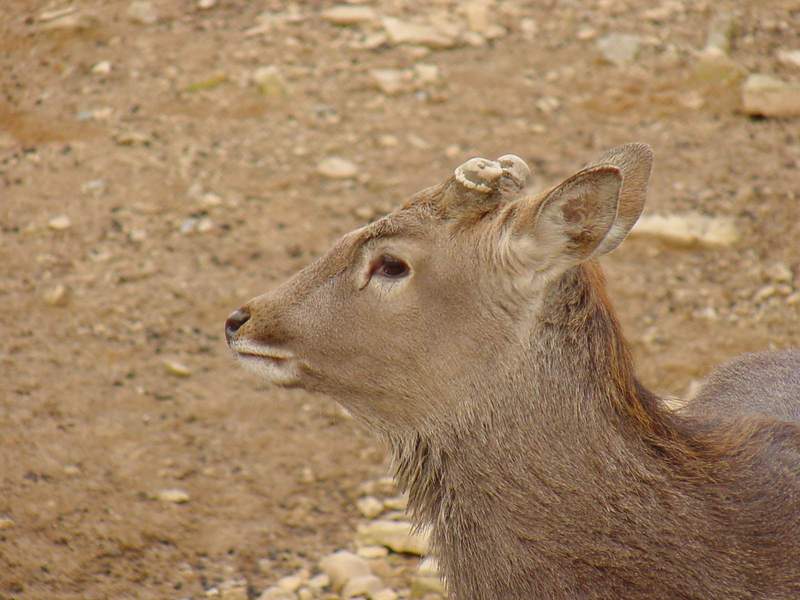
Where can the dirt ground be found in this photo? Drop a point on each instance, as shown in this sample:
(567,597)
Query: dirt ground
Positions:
(187,173)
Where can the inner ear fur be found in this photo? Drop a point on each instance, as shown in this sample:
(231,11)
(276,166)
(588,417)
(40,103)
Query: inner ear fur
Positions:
(572,220)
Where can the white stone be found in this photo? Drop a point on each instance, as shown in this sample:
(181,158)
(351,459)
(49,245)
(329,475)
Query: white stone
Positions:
(688,229)
(319,582)
(102,68)
(780,273)
(790,58)
(398,536)
(426,73)
(619,49)
(390,81)
(343,566)
(396,503)
(173,495)
(372,552)
(404,32)
(478,13)
(345,14)
(362,585)
(770,97)
(276,593)
(206,4)
(369,506)
(335,167)
(176,368)
(59,223)
(56,295)
(290,583)
(384,594)
(142,11)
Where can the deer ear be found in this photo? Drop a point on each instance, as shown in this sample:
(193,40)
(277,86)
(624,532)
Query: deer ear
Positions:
(635,161)
(568,225)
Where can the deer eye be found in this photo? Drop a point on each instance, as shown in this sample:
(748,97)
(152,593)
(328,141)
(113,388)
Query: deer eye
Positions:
(390,267)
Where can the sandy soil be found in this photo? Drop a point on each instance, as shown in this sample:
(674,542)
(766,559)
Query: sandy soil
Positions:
(189,180)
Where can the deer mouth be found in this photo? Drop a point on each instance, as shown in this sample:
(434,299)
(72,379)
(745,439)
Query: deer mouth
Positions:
(274,364)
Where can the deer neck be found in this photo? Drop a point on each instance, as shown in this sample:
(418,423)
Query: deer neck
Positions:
(519,479)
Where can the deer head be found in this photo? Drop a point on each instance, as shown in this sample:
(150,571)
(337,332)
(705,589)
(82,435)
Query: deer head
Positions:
(407,316)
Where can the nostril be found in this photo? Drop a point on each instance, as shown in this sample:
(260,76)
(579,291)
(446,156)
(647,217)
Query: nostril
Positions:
(234,322)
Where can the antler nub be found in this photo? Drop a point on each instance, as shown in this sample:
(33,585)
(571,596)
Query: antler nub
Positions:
(479,174)
(515,168)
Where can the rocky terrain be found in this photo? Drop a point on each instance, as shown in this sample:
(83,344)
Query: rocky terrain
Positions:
(162,161)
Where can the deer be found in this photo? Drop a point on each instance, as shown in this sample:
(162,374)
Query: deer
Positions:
(470,329)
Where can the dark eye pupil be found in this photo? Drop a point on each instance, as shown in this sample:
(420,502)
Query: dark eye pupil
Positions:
(391,267)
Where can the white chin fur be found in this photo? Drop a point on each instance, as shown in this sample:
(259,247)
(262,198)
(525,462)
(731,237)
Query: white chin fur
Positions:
(282,372)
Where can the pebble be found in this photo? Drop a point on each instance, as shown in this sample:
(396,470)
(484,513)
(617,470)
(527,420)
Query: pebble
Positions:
(369,506)
(233,591)
(362,585)
(345,14)
(335,167)
(292,583)
(319,582)
(395,535)
(619,49)
(342,566)
(102,68)
(768,96)
(396,503)
(6,523)
(173,495)
(405,32)
(385,594)
(276,593)
(478,15)
(426,73)
(142,11)
(388,141)
(688,229)
(390,81)
(59,223)
(206,4)
(372,552)
(720,33)
(270,82)
(779,273)
(178,369)
(790,58)
(58,295)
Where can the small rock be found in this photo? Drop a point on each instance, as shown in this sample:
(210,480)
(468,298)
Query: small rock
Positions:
(780,273)
(790,58)
(6,523)
(345,14)
(586,33)
(72,470)
(102,68)
(478,15)
(270,82)
(363,585)
(204,225)
(388,141)
(717,68)
(688,229)
(384,594)
(369,506)
(764,293)
(137,235)
(276,593)
(770,97)
(56,295)
(390,81)
(619,49)
(428,567)
(404,32)
(59,223)
(422,586)
(178,369)
(305,594)
(291,583)
(372,552)
(173,495)
(343,566)
(206,4)
(426,73)
(335,167)
(720,33)
(142,11)
(131,138)
(398,536)
(319,582)
(396,503)
(234,590)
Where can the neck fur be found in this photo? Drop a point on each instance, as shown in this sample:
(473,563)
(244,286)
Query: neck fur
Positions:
(549,475)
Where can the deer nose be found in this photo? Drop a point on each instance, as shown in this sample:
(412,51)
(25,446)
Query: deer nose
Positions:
(235,321)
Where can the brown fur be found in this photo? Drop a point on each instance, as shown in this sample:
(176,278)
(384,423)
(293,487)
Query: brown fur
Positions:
(499,377)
